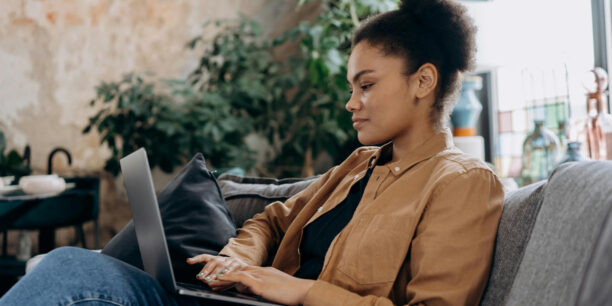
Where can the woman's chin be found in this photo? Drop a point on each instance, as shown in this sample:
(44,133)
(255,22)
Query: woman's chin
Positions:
(367,141)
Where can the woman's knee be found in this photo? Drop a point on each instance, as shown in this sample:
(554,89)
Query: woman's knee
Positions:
(68,255)
(67,251)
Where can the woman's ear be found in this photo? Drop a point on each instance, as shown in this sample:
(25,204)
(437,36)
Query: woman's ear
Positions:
(427,78)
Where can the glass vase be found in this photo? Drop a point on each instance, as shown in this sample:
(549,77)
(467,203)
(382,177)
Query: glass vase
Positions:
(540,154)
(573,152)
(465,113)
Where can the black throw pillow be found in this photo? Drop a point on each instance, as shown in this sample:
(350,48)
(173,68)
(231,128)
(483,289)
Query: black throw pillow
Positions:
(247,196)
(195,217)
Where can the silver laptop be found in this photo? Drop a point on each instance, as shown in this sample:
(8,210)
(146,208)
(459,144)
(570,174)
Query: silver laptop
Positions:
(152,240)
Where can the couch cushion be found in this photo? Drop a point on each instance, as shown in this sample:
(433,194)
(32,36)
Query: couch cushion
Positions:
(196,220)
(576,200)
(596,287)
(518,217)
(246,196)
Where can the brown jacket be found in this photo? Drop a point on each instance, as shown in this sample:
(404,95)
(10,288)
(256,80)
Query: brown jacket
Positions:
(423,232)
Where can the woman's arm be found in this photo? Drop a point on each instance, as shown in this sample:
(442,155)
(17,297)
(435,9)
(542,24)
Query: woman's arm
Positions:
(264,231)
(252,245)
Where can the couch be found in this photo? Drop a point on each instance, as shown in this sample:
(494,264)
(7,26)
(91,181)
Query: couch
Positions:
(554,242)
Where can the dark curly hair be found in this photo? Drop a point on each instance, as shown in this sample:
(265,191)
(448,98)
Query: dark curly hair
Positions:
(427,31)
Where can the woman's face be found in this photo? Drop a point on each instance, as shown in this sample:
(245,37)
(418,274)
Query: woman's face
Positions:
(383,100)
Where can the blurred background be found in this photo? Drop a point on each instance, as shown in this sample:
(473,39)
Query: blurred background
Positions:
(259,87)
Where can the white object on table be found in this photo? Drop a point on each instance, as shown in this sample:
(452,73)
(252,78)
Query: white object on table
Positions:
(42,184)
(6,181)
(472,145)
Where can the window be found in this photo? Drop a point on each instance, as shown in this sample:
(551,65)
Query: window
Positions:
(536,54)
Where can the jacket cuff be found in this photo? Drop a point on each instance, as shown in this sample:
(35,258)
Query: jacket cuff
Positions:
(323,293)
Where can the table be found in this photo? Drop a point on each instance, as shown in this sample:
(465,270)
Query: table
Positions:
(18,205)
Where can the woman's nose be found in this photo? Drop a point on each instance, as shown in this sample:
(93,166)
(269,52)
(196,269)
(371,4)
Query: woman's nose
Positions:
(353,104)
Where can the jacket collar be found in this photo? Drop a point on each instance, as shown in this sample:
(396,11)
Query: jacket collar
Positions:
(436,144)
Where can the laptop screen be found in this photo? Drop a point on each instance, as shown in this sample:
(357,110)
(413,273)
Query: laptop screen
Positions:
(147,218)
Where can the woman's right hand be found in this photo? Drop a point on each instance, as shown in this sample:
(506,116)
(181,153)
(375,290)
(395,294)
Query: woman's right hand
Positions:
(215,267)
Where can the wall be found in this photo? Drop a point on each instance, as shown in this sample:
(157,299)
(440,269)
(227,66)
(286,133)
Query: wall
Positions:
(53,54)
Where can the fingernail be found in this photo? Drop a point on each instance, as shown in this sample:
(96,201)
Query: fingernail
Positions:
(223,271)
(200,275)
(218,275)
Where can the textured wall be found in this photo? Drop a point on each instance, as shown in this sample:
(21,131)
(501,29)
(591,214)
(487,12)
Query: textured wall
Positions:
(53,53)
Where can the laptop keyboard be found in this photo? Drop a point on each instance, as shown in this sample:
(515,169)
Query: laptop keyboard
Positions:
(229,292)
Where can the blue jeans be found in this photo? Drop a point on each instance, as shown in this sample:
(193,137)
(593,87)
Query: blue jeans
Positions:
(69,276)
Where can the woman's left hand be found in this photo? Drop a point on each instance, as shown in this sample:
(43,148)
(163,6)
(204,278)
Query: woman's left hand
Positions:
(271,284)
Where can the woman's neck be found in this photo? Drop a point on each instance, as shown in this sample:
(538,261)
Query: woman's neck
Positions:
(411,139)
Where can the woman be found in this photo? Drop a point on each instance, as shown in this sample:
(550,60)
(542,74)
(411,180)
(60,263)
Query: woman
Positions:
(410,222)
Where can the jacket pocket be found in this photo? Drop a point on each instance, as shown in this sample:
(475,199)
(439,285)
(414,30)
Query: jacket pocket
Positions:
(375,248)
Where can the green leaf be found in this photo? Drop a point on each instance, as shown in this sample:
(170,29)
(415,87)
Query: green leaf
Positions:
(334,61)
(192,43)
(13,159)
(112,166)
(2,143)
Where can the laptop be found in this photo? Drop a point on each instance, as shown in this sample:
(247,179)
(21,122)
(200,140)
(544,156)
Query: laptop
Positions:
(152,240)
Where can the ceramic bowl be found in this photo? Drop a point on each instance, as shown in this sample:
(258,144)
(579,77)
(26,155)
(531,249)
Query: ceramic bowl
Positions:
(6,180)
(42,184)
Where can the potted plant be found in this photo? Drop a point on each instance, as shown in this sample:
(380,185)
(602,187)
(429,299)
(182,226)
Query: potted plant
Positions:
(12,163)
(296,103)
(172,126)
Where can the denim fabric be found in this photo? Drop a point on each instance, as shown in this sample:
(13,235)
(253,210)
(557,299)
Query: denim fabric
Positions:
(73,276)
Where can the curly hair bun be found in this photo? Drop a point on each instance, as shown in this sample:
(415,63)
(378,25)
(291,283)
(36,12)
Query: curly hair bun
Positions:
(448,21)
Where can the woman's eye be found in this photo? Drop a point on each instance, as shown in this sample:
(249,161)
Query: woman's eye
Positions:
(362,87)
(366,87)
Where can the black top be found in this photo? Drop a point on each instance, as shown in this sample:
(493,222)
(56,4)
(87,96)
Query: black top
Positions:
(319,234)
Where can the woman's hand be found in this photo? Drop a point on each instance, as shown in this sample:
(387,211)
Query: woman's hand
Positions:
(215,267)
(270,283)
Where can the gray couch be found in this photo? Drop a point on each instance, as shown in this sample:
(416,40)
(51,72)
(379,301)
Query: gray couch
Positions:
(554,242)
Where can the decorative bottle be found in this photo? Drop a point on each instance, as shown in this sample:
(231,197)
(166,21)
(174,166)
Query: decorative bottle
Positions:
(468,108)
(540,154)
(598,125)
(573,152)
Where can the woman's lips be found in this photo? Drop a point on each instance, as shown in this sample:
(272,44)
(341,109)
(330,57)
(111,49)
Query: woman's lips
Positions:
(357,122)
